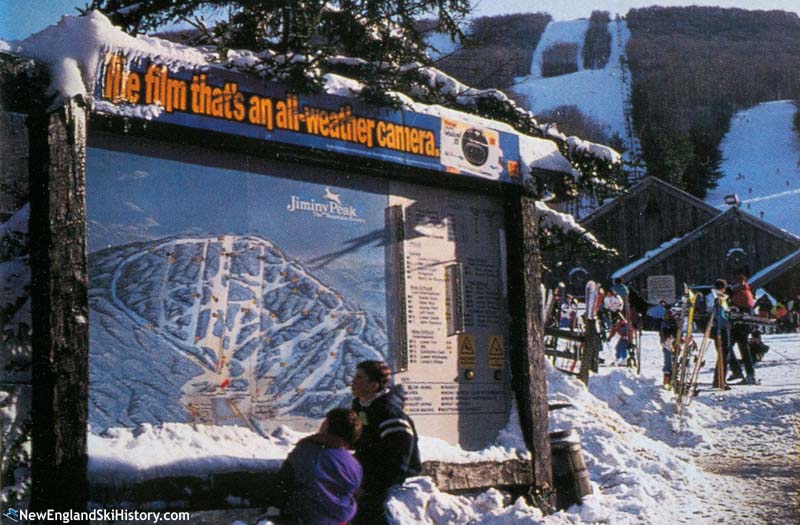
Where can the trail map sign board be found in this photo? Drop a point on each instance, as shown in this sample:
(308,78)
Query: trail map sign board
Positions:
(234,291)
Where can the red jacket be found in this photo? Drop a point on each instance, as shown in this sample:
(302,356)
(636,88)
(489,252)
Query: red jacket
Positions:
(742,297)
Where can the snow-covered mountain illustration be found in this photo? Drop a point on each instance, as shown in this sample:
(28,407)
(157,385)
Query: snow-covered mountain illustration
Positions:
(219,329)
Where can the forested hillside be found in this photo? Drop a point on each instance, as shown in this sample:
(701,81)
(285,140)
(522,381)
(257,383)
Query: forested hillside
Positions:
(692,68)
(497,49)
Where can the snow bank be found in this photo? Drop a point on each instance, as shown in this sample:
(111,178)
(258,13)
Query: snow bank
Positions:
(177,449)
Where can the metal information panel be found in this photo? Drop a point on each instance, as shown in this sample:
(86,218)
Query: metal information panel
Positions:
(457,382)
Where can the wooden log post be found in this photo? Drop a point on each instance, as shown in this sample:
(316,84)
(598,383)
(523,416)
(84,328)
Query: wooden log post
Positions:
(591,351)
(528,362)
(59,305)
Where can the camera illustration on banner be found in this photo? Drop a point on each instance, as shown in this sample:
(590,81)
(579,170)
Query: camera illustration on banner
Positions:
(466,148)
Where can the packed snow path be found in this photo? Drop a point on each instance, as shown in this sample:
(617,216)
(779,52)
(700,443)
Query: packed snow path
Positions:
(748,438)
(756,443)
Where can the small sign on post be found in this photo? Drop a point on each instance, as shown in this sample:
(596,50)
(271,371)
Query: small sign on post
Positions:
(661,288)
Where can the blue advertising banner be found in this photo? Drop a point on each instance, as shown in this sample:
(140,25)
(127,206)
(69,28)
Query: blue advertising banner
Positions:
(231,102)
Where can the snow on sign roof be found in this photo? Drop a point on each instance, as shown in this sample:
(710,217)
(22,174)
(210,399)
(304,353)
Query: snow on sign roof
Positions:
(550,218)
(76,52)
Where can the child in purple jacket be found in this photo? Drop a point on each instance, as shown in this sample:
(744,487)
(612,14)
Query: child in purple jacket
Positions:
(320,476)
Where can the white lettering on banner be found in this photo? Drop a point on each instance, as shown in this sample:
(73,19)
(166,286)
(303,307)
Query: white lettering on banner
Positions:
(333,209)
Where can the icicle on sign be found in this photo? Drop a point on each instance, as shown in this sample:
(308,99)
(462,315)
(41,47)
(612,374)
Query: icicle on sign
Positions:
(131,82)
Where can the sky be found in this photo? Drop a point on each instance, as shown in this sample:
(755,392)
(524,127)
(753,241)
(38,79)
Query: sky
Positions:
(20,18)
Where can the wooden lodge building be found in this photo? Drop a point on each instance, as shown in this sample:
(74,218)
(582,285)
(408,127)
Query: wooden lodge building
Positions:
(668,237)
(780,279)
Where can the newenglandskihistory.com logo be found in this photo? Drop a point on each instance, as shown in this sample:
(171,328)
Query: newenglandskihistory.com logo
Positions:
(13,515)
(329,207)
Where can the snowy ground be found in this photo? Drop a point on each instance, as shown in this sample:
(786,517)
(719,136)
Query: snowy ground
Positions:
(761,163)
(596,92)
(730,458)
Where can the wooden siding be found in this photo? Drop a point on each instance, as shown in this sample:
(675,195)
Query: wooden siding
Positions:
(703,259)
(643,221)
(785,286)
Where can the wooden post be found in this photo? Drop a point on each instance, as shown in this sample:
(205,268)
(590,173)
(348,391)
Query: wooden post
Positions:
(530,379)
(59,308)
(591,350)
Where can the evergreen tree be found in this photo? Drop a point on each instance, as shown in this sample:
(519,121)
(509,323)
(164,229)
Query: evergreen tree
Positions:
(301,40)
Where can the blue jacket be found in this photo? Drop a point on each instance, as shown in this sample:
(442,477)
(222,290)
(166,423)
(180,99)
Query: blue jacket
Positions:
(319,479)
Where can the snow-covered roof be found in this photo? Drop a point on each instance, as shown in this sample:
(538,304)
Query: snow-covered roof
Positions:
(73,48)
(625,270)
(670,247)
(765,275)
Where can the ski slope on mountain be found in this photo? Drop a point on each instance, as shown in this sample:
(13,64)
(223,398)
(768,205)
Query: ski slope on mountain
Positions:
(599,93)
(761,164)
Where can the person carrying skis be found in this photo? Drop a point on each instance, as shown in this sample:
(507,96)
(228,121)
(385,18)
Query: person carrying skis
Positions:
(667,332)
(742,300)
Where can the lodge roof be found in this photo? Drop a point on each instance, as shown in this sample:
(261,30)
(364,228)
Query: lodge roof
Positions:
(644,185)
(734,213)
(776,270)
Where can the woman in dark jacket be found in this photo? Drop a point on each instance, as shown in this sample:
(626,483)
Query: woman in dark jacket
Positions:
(320,477)
(387,449)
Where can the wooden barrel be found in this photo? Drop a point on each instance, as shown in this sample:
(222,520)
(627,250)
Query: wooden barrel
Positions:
(570,476)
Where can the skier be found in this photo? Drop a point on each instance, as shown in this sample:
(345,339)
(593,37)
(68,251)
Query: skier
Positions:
(612,305)
(742,299)
(622,292)
(667,331)
(655,314)
(387,449)
(764,306)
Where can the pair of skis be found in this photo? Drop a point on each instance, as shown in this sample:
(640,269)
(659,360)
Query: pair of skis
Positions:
(686,348)
(691,387)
